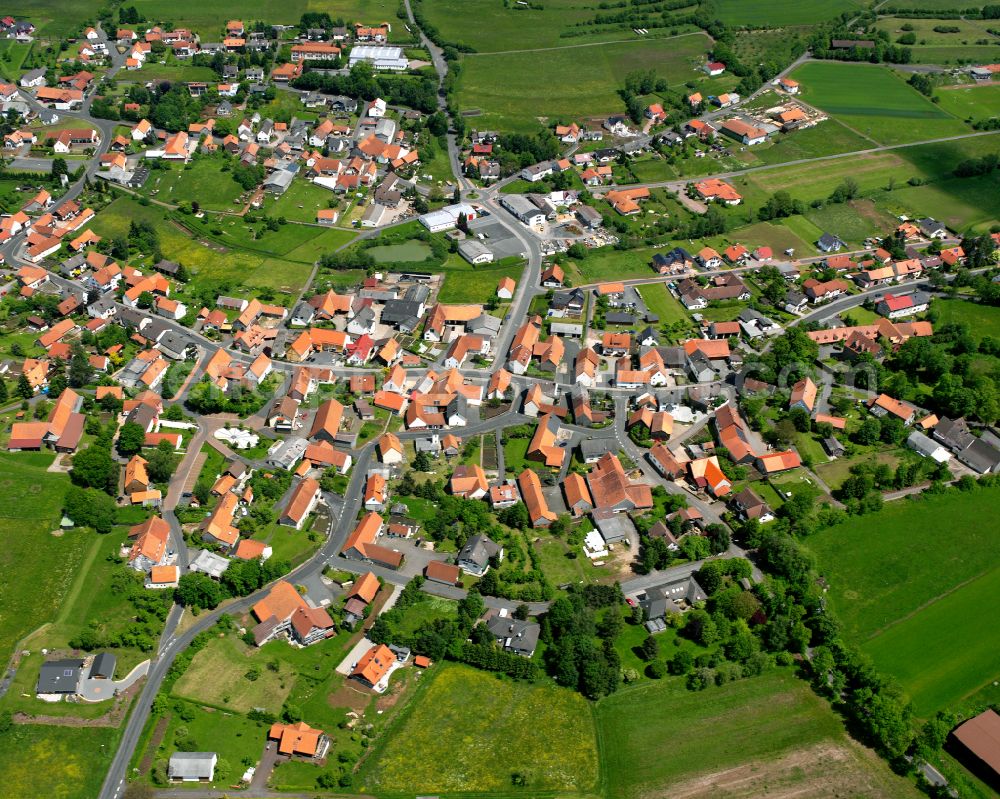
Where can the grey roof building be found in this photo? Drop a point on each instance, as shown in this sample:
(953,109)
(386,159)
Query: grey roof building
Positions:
(514,635)
(674,597)
(103,667)
(475,555)
(209,563)
(59,676)
(192,766)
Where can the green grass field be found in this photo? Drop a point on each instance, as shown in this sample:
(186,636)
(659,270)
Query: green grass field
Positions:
(608,263)
(781,13)
(661,302)
(38,568)
(875,102)
(971,102)
(902,595)
(502,27)
(217,676)
(770,735)
(578,82)
(943,653)
(55,762)
(299,203)
(468,731)
(172,71)
(826,138)
(972,43)
(200,181)
(466,283)
(57,19)
(983,319)
(240,270)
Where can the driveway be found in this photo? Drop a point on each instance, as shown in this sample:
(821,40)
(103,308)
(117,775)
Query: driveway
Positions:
(100,690)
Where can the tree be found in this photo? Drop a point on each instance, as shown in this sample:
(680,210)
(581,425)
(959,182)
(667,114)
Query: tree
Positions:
(59,167)
(162,462)
(93,467)
(80,372)
(649,649)
(24,389)
(88,507)
(195,589)
(422,462)
(131,439)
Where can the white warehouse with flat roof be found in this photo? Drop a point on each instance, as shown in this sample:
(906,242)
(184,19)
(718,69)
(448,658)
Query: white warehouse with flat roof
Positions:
(382,58)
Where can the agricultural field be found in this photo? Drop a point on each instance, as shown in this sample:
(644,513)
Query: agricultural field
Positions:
(512,27)
(504,87)
(970,102)
(901,596)
(450,737)
(826,138)
(780,739)
(781,13)
(59,19)
(874,102)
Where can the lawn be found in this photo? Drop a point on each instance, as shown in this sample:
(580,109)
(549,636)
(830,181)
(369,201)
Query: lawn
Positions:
(299,203)
(874,101)
(958,202)
(38,569)
(55,762)
(425,612)
(661,302)
(854,221)
(172,71)
(770,735)
(465,283)
(781,13)
(58,19)
(971,102)
(413,250)
(201,181)
(579,82)
(835,472)
(826,138)
(468,731)
(607,263)
(217,677)
(984,320)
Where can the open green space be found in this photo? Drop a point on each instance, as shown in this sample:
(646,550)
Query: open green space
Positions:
(943,653)
(958,202)
(579,82)
(38,567)
(904,567)
(413,250)
(971,102)
(608,263)
(853,222)
(217,676)
(874,101)
(970,43)
(237,270)
(465,283)
(983,320)
(754,737)
(59,19)
(199,181)
(826,138)
(781,13)
(299,203)
(467,731)
(55,762)
(661,302)
(173,71)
